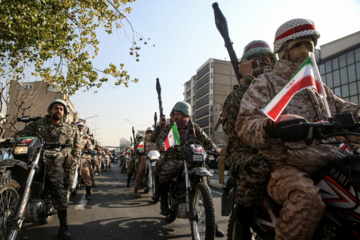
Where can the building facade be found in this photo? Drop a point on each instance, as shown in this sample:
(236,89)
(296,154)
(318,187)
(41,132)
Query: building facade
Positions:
(31,99)
(339,66)
(206,93)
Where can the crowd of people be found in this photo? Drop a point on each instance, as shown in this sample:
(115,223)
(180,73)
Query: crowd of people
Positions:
(263,154)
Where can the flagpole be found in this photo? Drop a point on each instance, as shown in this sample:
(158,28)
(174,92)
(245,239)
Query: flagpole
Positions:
(318,76)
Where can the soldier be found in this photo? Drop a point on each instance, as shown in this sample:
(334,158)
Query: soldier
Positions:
(87,150)
(132,162)
(160,161)
(74,158)
(148,146)
(187,130)
(53,129)
(249,169)
(282,142)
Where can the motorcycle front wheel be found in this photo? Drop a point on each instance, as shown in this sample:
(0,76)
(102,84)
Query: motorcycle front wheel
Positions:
(9,200)
(204,225)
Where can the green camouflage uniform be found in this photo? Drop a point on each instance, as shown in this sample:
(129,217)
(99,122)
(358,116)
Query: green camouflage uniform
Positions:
(250,170)
(170,167)
(61,133)
(73,159)
(132,163)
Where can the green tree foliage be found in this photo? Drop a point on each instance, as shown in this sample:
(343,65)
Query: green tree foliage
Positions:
(56,40)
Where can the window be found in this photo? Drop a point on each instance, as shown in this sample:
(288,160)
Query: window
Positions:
(345,90)
(343,76)
(354,99)
(329,81)
(351,72)
(328,67)
(337,91)
(358,71)
(350,57)
(342,60)
(335,63)
(322,69)
(353,88)
(357,54)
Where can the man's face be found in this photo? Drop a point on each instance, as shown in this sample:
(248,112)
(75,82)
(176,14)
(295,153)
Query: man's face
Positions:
(179,116)
(264,60)
(300,51)
(57,111)
(81,128)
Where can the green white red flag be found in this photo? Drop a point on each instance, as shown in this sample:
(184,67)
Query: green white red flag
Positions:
(130,148)
(141,146)
(172,138)
(305,77)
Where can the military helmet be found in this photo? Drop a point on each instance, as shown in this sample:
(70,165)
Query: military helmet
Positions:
(258,48)
(62,102)
(294,29)
(183,107)
(149,129)
(139,136)
(80,123)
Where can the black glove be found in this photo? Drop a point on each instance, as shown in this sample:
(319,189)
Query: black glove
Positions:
(287,128)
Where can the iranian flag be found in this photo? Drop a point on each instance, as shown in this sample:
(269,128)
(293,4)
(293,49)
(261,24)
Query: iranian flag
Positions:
(131,148)
(172,138)
(141,146)
(305,77)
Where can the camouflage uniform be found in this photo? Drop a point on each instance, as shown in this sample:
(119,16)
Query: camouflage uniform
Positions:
(73,159)
(86,169)
(60,133)
(291,163)
(250,170)
(170,167)
(132,162)
(154,137)
(148,146)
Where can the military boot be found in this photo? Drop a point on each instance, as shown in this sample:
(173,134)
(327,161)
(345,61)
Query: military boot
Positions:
(128,180)
(218,232)
(93,184)
(156,196)
(136,193)
(88,193)
(242,223)
(164,205)
(64,233)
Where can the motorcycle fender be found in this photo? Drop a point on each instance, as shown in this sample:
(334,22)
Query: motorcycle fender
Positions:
(201,172)
(13,163)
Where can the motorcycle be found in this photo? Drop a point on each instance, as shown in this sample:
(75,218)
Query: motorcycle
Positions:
(107,163)
(189,193)
(152,156)
(23,195)
(339,183)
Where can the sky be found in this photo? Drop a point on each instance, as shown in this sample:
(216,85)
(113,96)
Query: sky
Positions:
(185,36)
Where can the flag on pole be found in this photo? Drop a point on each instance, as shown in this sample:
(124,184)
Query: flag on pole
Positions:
(141,146)
(130,148)
(172,138)
(304,77)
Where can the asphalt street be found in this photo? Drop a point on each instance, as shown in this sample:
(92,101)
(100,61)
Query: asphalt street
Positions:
(113,213)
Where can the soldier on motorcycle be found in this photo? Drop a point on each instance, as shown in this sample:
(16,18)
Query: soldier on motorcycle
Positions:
(249,169)
(52,128)
(282,142)
(148,146)
(132,162)
(187,130)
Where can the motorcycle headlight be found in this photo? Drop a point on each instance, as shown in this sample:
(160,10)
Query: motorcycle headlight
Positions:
(21,150)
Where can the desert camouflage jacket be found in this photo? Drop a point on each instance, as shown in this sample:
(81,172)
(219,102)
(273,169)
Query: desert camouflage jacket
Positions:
(306,103)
